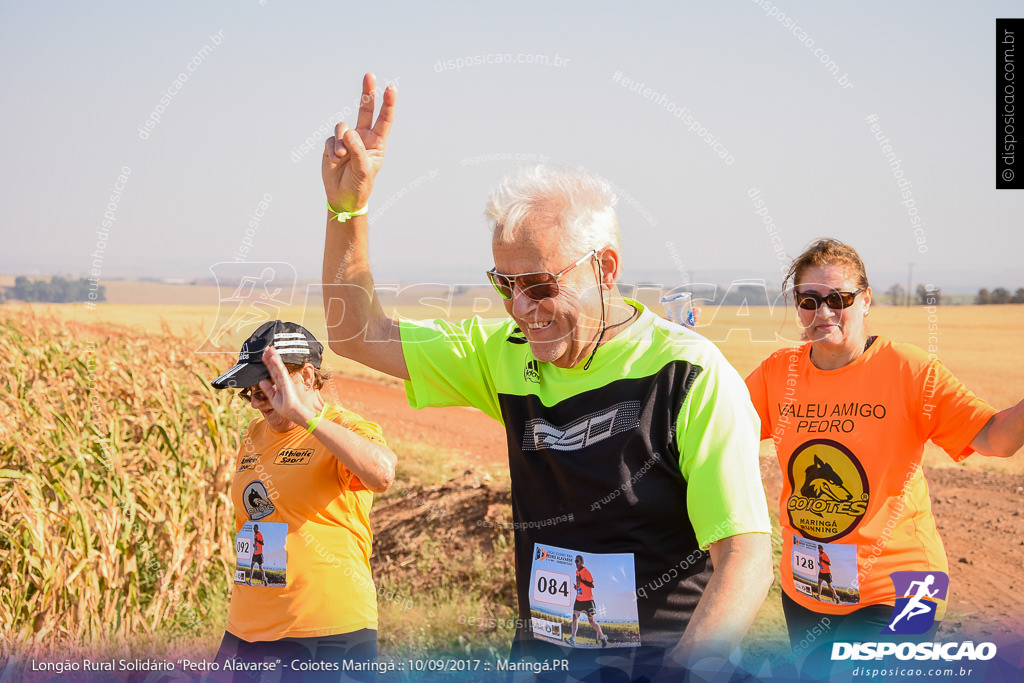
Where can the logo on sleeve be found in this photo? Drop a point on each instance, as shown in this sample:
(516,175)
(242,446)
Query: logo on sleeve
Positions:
(257,503)
(830,490)
(918,595)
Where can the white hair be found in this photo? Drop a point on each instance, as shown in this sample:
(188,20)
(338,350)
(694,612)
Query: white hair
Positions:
(579,206)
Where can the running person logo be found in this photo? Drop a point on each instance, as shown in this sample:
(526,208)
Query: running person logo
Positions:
(829,490)
(917,598)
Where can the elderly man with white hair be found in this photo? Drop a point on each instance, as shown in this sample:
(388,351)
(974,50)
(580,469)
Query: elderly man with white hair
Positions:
(631,440)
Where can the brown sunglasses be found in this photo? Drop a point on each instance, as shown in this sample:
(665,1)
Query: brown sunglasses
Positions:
(537,286)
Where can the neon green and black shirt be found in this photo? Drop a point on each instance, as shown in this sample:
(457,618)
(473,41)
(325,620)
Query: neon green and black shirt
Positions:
(651,451)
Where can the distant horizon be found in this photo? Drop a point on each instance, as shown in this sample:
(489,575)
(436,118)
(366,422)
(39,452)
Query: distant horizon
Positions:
(721,284)
(1007,280)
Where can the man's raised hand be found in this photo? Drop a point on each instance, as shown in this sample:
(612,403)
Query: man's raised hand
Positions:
(353,157)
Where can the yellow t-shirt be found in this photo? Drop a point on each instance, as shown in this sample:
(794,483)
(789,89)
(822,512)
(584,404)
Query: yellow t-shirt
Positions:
(290,478)
(849,442)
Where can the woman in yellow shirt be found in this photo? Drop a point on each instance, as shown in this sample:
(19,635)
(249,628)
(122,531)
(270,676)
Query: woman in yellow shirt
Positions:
(305,473)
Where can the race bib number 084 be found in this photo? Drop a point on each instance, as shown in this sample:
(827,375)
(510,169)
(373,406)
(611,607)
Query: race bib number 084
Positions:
(552,588)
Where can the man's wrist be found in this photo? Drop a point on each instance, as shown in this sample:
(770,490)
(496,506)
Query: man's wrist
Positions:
(343,216)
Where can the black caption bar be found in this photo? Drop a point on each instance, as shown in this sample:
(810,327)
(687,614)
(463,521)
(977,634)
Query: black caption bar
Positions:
(1009,171)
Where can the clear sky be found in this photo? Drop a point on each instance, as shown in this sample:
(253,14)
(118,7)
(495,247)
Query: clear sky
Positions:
(80,81)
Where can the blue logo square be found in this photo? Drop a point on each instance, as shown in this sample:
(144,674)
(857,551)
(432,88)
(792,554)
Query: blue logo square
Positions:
(917,596)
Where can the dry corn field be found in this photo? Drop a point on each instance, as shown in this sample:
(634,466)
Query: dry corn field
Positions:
(114,462)
(116,454)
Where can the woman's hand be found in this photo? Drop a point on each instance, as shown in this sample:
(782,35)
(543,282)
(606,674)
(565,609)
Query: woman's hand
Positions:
(290,403)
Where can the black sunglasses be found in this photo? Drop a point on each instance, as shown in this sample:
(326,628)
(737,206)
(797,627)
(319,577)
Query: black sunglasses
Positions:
(810,301)
(537,286)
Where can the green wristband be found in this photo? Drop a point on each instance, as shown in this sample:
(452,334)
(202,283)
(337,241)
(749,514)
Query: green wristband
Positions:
(314,421)
(343,216)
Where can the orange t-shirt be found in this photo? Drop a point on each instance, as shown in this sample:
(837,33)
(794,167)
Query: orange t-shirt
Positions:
(849,442)
(299,483)
(585,592)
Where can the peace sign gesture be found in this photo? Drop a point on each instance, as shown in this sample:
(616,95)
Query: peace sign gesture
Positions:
(353,157)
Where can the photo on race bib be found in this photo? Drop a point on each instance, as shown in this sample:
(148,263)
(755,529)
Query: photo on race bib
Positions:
(260,555)
(583,600)
(826,572)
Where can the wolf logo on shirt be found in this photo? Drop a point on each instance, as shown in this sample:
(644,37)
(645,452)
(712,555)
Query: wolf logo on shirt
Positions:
(832,496)
(257,501)
(821,481)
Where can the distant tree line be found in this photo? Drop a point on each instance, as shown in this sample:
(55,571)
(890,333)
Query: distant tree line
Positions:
(999,295)
(57,291)
(924,296)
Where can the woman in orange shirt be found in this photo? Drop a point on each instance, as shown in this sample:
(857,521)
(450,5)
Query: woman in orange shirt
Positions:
(849,414)
(304,480)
